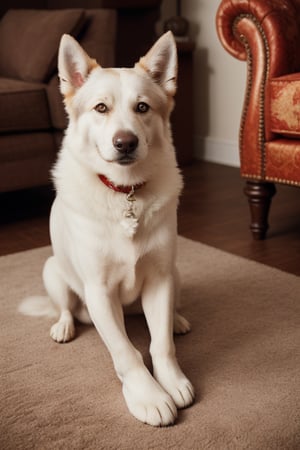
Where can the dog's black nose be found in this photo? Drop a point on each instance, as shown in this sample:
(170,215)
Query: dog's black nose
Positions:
(125,142)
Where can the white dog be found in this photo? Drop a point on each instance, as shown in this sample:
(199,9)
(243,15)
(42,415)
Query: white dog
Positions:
(113,223)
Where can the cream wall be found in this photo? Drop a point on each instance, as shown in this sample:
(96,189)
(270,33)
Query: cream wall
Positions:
(219,85)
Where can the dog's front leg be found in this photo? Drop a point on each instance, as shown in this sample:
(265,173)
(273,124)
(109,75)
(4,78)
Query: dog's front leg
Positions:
(158,305)
(145,398)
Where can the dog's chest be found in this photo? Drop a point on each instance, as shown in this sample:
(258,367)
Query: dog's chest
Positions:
(130,284)
(122,270)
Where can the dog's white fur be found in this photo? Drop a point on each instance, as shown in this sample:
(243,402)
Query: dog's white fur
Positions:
(99,256)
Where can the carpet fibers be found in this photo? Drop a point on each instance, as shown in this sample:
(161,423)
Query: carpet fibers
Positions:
(242,355)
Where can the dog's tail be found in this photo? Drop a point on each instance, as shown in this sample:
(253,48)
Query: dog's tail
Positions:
(42,306)
(38,306)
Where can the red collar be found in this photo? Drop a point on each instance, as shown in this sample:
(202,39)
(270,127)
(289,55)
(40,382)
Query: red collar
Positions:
(120,188)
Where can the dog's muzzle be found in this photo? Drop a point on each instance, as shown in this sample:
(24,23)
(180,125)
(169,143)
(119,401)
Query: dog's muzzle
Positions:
(125,142)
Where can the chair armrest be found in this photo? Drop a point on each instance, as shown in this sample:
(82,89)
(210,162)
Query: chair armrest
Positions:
(262,29)
(266,35)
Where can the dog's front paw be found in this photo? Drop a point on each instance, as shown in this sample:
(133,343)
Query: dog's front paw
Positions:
(147,401)
(172,379)
(63,331)
(182,392)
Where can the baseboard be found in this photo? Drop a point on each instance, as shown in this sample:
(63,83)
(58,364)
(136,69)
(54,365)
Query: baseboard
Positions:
(217,151)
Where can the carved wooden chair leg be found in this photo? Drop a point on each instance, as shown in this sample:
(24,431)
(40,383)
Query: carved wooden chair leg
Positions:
(259,197)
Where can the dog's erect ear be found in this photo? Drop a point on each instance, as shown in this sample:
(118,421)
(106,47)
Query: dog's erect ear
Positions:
(74,65)
(161,62)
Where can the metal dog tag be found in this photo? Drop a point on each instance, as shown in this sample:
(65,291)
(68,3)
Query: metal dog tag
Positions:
(130,221)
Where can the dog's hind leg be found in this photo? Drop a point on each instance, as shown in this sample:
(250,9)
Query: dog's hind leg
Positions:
(64,300)
(181,324)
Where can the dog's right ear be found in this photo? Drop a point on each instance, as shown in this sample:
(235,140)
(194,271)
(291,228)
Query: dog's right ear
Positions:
(74,65)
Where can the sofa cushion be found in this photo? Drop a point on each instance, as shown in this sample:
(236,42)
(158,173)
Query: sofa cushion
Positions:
(23,106)
(285,105)
(99,38)
(25,160)
(29,41)
(56,106)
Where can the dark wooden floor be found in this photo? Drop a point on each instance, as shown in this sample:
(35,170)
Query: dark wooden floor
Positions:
(213,210)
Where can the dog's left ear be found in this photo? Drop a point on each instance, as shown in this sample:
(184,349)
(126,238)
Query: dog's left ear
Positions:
(74,65)
(161,63)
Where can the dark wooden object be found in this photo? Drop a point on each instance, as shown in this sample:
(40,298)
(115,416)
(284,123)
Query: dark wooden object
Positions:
(182,116)
(259,197)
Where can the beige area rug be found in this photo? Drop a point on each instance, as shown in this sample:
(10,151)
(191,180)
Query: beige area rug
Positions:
(243,357)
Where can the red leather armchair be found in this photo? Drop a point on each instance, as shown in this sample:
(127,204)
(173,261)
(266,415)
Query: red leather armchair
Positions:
(266,34)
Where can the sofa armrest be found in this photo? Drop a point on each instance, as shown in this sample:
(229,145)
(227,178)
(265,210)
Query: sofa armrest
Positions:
(266,35)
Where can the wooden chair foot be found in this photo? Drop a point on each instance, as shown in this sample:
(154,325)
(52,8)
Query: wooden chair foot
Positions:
(259,197)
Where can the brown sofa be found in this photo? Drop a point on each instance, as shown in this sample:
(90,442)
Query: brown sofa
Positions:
(32,118)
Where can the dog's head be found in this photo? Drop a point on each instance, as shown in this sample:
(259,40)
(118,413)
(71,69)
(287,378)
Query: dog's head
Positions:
(118,117)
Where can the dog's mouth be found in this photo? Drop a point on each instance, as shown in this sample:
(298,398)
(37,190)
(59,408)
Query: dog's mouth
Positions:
(126,160)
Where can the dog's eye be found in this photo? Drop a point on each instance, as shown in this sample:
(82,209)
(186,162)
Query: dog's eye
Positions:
(101,108)
(142,107)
